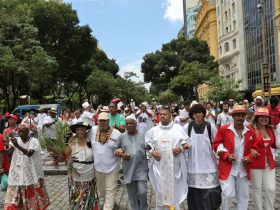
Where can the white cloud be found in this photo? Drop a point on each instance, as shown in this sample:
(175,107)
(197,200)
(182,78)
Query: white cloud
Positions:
(133,66)
(173,10)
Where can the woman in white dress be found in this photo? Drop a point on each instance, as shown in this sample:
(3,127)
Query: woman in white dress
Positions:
(82,184)
(26,188)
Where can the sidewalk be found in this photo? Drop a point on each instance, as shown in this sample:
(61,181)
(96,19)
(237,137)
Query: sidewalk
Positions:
(49,168)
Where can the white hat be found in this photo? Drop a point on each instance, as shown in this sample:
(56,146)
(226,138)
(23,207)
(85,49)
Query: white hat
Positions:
(103,116)
(194,102)
(85,105)
(259,97)
(132,117)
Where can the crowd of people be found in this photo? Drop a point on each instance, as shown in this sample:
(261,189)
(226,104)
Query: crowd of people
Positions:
(205,153)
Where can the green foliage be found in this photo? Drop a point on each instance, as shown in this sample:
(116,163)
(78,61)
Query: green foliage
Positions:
(222,89)
(167,97)
(177,61)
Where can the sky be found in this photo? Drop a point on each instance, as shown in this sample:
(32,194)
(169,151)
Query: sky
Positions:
(128,29)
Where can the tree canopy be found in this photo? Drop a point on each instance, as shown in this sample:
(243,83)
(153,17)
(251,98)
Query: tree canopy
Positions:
(181,65)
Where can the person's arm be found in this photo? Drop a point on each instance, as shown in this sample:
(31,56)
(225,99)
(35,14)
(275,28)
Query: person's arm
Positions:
(27,152)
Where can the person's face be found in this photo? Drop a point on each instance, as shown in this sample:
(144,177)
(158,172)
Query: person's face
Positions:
(225,108)
(11,121)
(198,117)
(143,108)
(231,102)
(130,125)
(23,133)
(165,117)
(258,101)
(53,114)
(239,118)
(113,108)
(215,105)
(77,114)
(208,106)
(187,107)
(263,120)
(81,132)
(103,125)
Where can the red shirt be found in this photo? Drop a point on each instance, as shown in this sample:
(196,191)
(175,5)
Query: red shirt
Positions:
(6,162)
(264,151)
(275,115)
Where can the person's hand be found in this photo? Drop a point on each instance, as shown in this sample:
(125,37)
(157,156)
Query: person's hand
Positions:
(126,156)
(118,152)
(176,150)
(231,157)
(156,155)
(15,142)
(186,146)
(221,152)
(245,160)
(255,153)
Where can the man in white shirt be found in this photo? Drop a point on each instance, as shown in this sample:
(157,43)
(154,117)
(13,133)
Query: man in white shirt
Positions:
(87,115)
(103,139)
(40,119)
(184,114)
(77,117)
(49,124)
(168,170)
(144,119)
(210,114)
(224,118)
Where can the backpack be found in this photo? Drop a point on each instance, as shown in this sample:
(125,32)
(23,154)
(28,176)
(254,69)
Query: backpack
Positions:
(208,129)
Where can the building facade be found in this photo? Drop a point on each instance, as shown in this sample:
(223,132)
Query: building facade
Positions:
(253,41)
(206,25)
(191,17)
(231,41)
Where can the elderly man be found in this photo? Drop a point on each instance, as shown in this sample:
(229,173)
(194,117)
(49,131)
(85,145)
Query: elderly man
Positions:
(103,139)
(234,143)
(168,171)
(131,147)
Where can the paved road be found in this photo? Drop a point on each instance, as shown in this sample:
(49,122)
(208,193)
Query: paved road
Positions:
(58,192)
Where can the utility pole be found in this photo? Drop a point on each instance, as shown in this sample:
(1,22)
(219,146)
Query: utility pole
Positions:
(265,68)
(185,18)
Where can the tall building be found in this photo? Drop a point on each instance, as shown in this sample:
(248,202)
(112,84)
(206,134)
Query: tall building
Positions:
(253,41)
(206,25)
(277,35)
(191,17)
(231,41)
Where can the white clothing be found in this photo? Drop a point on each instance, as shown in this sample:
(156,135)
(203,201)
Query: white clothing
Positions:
(238,168)
(210,118)
(87,117)
(107,184)
(266,178)
(50,130)
(103,154)
(26,170)
(169,175)
(235,186)
(224,119)
(202,165)
(76,120)
(86,171)
(183,114)
(40,120)
(144,122)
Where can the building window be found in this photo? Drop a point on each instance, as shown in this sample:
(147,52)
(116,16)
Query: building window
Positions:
(227,30)
(233,8)
(234,24)
(234,43)
(226,14)
(226,47)
(221,51)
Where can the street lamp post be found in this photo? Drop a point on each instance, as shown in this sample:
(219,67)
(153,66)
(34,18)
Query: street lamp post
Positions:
(265,68)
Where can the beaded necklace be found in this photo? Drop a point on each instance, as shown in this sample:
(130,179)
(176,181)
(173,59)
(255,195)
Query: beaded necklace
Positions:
(102,137)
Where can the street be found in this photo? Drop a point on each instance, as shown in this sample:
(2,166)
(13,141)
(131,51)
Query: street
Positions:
(58,192)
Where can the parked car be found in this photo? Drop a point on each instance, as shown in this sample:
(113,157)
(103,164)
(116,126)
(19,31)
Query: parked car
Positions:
(22,109)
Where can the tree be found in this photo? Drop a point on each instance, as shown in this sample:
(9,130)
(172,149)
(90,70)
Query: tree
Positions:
(167,97)
(189,77)
(222,89)
(163,65)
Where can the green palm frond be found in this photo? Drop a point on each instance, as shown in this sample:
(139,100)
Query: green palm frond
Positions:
(58,147)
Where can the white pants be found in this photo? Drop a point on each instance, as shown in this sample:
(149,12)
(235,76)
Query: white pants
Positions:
(265,177)
(107,183)
(235,186)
